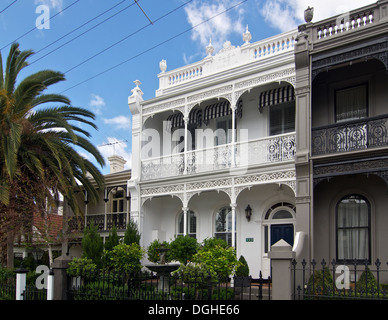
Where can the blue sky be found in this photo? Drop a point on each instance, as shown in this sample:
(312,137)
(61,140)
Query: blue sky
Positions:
(86,38)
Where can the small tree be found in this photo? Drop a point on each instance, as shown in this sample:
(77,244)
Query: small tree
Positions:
(209,243)
(125,257)
(79,266)
(132,234)
(112,240)
(92,244)
(183,249)
(243,269)
(222,261)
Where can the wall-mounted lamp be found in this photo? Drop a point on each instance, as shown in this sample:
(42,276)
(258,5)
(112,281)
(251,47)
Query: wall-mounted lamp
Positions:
(248,212)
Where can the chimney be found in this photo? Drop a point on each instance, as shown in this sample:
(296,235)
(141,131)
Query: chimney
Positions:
(116,163)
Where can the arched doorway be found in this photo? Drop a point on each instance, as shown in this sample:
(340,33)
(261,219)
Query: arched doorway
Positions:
(278,223)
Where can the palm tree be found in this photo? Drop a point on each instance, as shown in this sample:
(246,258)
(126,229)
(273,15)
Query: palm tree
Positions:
(38,143)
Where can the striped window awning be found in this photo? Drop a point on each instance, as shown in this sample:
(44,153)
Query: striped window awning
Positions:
(196,117)
(176,119)
(220,109)
(276,96)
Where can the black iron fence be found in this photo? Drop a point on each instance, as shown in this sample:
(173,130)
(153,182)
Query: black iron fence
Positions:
(335,280)
(33,293)
(7,287)
(117,285)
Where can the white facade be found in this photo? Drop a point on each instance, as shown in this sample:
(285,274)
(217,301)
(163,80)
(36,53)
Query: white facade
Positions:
(219,136)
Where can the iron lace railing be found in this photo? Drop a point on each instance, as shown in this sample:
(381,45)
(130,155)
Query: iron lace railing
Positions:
(349,136)
(273,149)
(105,221)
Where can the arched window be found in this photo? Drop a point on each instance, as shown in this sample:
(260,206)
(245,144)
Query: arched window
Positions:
(353,229)
(223,225)
(191,224)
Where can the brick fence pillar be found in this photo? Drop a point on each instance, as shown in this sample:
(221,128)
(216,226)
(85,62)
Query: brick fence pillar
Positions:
(281,256)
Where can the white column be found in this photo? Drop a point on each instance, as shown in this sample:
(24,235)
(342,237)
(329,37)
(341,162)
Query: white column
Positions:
(185,210)
(233,206)
(186,120)
(128,197)
(233,106)
(21,276)
(50,285)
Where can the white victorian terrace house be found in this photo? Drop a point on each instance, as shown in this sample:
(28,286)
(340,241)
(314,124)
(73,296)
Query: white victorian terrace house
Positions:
(213,152)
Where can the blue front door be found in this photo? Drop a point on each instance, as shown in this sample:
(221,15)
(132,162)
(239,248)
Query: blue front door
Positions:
(282,231)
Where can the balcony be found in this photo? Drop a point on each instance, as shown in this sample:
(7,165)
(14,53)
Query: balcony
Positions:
(228,57)
(274,149)
(369,133)
(104,222)
(350,22)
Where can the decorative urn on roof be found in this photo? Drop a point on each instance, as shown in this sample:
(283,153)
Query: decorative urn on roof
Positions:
(163,65)
(308,14)
(210,48)
(247,36)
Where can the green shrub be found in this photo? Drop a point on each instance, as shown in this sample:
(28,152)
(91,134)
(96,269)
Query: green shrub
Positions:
(320,283)
(367,283)
(209,243)
(79,266)
(125,257)
(243,269)
(183,248)
(198,275)
(112,240)
(218,259)
(154,254)
(132,234)
(92,245)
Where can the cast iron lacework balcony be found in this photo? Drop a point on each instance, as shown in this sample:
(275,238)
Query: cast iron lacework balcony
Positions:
(351,136)
(272,149)
(105,222)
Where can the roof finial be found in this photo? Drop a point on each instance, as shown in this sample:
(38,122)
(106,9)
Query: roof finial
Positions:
(210,48)
(247,36)
(308,14)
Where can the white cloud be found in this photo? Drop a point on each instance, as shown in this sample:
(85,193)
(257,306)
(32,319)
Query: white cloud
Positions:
(285,15)
(97,103)
(53,4)
(217,29)
(119,122)
(118,147)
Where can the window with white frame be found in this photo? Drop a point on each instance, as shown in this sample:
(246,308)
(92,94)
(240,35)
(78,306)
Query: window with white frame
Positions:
(191,224)
(223,225)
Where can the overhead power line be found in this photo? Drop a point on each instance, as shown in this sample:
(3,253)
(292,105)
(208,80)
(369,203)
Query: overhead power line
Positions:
(81,34)
(126,37)
(143,11)
(23,35)
(82,25)
(155,46)
(8,6)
